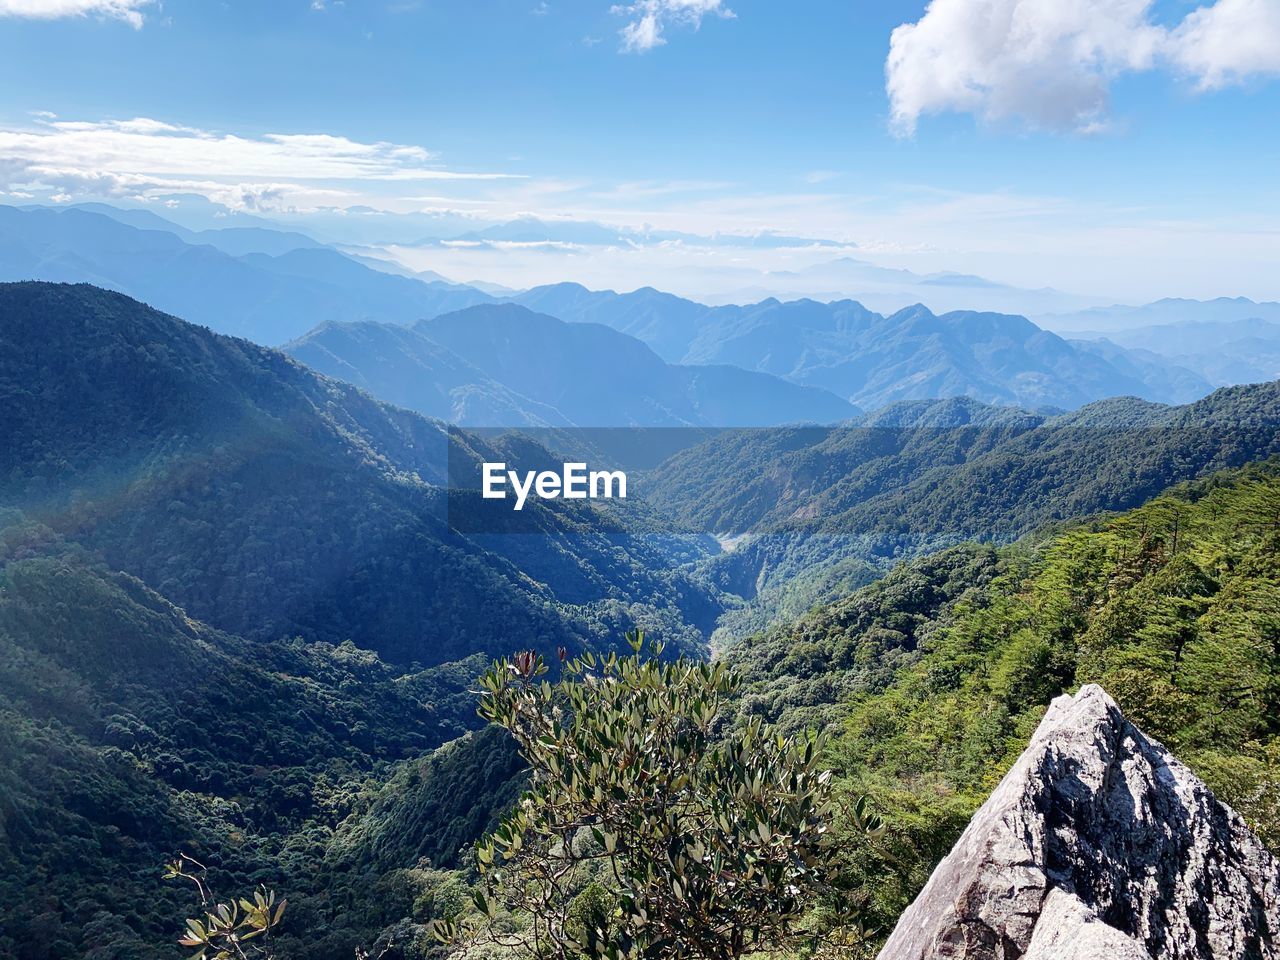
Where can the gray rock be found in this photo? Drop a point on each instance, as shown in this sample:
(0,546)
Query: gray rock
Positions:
(1068,930)
(1097,845)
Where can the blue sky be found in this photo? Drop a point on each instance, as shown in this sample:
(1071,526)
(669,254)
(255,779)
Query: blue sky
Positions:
(1132,153)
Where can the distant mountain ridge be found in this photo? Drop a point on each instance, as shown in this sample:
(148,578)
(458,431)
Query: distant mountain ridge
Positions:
(504,365)
(871,359)
(269,298)
(1169,310)
(274,286)
(235,240)
(1224,352)
(401,366)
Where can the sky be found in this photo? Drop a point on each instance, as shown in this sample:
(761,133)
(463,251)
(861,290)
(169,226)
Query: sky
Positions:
(1123,150)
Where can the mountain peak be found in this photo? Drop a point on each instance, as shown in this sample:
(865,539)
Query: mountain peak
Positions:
(564,286)
(913,310)
(1100,841)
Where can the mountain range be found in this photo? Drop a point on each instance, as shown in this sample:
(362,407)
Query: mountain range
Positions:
(274,287)
(237,621)
(812,512)
(871,359)
(504,365)
(270,501)
(1221,351)
(267,297)
(1169,310)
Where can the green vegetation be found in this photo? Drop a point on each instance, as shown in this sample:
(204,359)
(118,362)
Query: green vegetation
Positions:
(235,930)
(643,833)
(800,675)
(937,675)
(235,625)
(130,733)
(933,475)
(271,502)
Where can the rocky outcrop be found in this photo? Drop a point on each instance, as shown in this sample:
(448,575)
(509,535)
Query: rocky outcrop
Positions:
(1097,845)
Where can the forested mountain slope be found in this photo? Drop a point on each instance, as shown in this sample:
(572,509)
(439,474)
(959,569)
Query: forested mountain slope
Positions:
(937,674)
(270,501)
(839,499)
(747,481)
(993,478)
(129,731)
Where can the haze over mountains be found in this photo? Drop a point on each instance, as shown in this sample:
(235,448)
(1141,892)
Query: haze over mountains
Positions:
(1221,351)
(1171,310)
(267,298)
(694,363)
(504,365)
(870,358)
(1227,340)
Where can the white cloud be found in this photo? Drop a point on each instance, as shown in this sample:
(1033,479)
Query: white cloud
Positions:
(150,158)
(129,11)
(1229,42)
(1049,64)
(1045,62)
(650,18)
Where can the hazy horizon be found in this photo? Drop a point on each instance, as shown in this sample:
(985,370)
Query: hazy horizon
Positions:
(705,147)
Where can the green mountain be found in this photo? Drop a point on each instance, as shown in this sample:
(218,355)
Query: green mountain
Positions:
(129,732)
(937,674)
(269,501)
(812,508)
(236,621)
(202,545)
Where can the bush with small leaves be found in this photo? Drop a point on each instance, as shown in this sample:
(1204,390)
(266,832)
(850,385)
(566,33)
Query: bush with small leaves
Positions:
(644,832)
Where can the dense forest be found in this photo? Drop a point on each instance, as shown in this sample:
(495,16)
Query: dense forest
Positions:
(821,509)
(131,730)
(937,675)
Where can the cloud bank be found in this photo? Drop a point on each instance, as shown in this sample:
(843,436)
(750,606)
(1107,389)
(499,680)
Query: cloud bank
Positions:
(129,11)
(1049,64)
(650,19)
(146,158)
